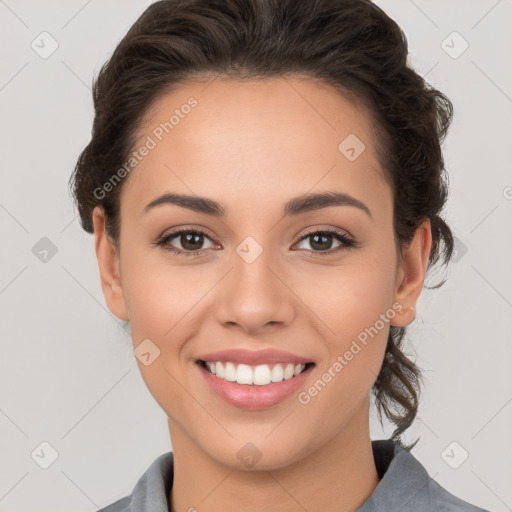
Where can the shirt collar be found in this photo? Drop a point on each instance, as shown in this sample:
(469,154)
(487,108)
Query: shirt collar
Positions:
(404,483)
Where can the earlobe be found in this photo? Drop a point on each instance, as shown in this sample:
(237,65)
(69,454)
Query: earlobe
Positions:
(108,263)
(411,275)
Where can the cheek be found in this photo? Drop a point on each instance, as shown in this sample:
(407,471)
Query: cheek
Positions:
(358,312)
(348,298)
(160,296)
(353,306)
(163,301)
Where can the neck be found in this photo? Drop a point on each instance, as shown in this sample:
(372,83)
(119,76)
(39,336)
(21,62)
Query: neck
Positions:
(339,475)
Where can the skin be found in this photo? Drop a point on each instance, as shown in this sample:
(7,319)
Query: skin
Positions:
(252,146)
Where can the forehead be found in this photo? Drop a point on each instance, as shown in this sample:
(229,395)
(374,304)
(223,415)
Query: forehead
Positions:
(253,143)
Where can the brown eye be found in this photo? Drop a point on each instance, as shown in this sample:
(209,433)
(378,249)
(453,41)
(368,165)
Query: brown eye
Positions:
(322,241)
(188,242)
(191,241)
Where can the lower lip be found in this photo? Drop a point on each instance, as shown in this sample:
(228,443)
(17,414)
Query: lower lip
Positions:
(254,397)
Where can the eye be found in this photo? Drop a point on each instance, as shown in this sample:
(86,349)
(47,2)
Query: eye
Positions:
(321,241)
(189,239)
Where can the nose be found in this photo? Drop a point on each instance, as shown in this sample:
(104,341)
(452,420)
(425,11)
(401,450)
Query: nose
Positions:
(254,296)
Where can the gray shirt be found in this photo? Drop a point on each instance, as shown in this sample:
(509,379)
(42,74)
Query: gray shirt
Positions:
(405,486)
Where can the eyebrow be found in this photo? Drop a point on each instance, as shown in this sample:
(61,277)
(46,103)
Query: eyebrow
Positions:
(295,206)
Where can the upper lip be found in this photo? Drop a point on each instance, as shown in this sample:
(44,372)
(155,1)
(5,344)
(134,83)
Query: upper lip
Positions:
(254,357)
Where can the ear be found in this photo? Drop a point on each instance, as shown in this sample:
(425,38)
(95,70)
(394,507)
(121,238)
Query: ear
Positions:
(108,262)
(411,274)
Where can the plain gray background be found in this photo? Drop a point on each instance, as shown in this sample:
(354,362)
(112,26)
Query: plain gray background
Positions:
(68,374)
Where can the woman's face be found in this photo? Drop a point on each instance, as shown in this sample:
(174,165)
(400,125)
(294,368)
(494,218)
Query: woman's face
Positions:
(266,276)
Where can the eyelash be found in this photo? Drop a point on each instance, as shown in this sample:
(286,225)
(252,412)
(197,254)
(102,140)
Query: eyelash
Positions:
(347,242)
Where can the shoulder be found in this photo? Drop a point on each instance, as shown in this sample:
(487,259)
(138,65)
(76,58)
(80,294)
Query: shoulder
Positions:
(118,506)
(152,490)
(445,501)
(405,484)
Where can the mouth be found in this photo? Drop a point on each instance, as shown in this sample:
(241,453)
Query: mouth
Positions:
(254,387)
(254,375)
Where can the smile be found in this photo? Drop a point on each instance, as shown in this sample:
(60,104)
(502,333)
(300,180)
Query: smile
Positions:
(259,375)
(254,387)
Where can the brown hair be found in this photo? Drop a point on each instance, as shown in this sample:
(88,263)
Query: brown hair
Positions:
(349,44)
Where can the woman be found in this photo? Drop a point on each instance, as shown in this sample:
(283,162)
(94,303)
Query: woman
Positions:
(265,184)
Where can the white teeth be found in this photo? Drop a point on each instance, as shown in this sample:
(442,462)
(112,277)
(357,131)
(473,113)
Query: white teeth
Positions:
(259,375)
(277,373)
(262,375)
(288,371)
(230,372)
(244,374)
(219,370)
